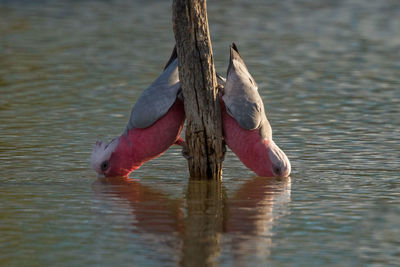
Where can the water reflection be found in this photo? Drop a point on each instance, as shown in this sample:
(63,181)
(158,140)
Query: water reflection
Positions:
(200,221)
(205,220)
(154,211)
(253,211)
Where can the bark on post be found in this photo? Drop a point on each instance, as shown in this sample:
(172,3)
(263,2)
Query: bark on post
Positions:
(198,81)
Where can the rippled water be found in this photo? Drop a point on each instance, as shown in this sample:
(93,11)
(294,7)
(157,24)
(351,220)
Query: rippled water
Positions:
(328,72)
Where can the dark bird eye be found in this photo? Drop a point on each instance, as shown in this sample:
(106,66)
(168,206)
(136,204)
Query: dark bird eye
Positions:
(105,165)
(277,170)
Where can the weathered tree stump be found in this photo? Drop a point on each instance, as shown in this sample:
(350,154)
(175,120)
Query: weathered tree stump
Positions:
(204,141)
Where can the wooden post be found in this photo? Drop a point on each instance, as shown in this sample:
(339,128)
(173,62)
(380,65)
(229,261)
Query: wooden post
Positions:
(204,141)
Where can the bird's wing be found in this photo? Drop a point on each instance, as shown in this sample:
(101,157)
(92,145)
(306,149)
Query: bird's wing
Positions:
(241,96)
(158,97)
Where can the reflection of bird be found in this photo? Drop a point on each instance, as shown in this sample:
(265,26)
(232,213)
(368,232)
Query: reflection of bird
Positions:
(250,208)
(194,224)
(253,211)
(154,211)
(247,131)
(155,124)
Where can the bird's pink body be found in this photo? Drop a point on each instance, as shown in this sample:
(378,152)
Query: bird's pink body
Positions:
(140,145)
(247,130)
(247,145)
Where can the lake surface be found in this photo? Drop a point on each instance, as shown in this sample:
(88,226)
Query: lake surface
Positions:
(329,75)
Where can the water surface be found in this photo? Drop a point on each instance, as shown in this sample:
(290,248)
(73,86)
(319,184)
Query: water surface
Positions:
(328,72)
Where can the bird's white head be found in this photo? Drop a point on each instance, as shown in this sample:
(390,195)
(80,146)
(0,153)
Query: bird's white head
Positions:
(101,155)
(280,164)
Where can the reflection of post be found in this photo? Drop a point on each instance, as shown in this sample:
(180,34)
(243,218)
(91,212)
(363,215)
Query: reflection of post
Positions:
(203,223)
(246,219)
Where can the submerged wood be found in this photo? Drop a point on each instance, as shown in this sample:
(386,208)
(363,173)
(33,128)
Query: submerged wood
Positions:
(204,142)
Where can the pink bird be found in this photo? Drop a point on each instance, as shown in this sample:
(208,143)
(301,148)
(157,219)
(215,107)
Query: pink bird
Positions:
(155,124)
(247,131)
